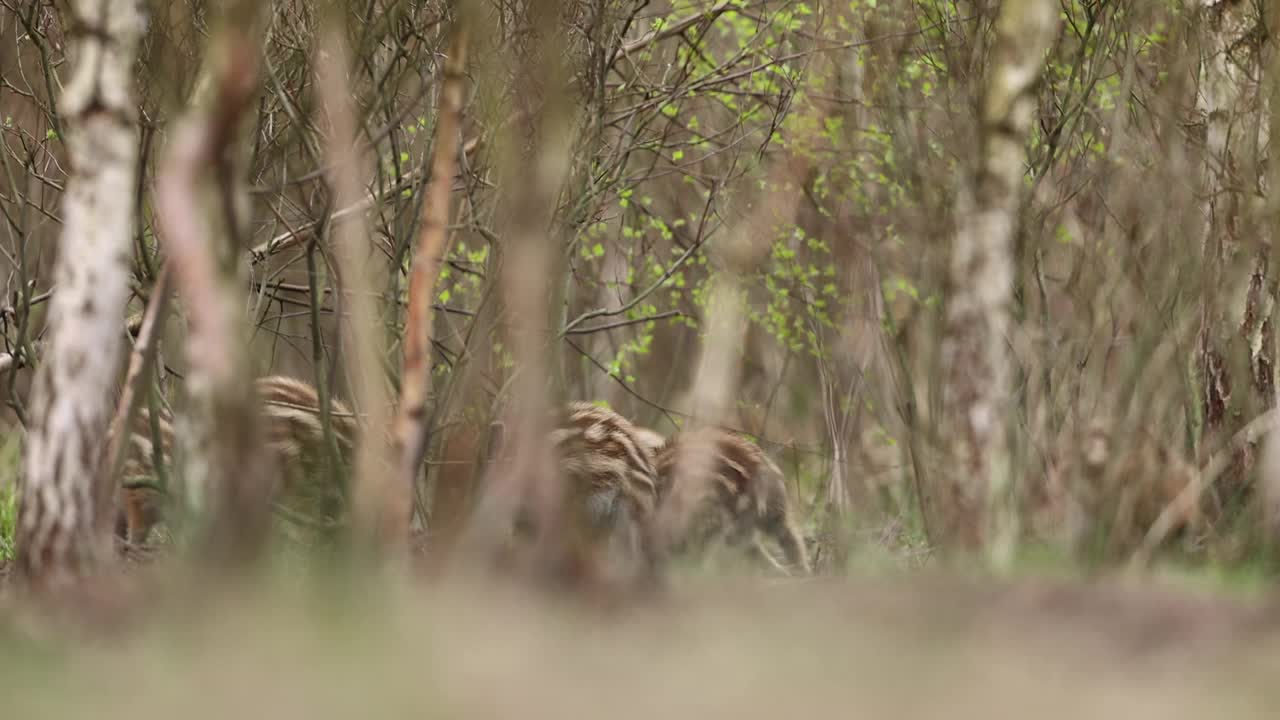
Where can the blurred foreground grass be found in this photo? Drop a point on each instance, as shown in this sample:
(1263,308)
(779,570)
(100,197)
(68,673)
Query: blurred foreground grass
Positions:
(886,638)
(907,647)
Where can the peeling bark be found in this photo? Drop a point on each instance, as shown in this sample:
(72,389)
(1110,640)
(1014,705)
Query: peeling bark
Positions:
(72,397)
(1237,338)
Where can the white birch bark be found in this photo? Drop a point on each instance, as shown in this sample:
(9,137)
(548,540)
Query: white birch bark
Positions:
(1230,101)
(974,349)
(72,400)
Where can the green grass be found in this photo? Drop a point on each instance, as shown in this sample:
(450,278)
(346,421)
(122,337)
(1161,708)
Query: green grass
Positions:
(10,466)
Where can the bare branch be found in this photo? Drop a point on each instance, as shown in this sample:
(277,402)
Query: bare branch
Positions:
(139,373)
(676,27)
(624,323)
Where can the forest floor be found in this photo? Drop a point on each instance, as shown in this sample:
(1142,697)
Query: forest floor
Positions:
(914,646)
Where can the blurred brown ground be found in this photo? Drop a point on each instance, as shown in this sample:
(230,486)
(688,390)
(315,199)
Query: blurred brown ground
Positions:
(926,647)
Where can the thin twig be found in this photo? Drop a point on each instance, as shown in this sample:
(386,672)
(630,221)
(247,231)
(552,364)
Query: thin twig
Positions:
(139,373)
(625,323)
(674,28)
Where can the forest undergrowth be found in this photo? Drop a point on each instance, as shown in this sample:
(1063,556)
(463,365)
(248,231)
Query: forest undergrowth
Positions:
(568,358)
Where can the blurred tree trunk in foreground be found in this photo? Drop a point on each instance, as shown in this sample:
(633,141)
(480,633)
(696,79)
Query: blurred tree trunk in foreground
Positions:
(73,396)
(534,174)
(975,349)
(226,463)
(382,508)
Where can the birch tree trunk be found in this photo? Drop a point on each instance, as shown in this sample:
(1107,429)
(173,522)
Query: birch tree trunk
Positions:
(73,395)
(974,347)
(1271,459)
(1236,336)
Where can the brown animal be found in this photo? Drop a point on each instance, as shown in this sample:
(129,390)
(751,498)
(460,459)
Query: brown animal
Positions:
(718,486)
(610,486)
(650,440)
(294,431)
(607,461)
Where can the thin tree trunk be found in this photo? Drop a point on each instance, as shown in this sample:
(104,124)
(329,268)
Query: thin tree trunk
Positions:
(529,281)
(72,398)
(1271,459)
(377,502)
(1236,338)
(975,346)
(389,506)
(716,377)
(226,461)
